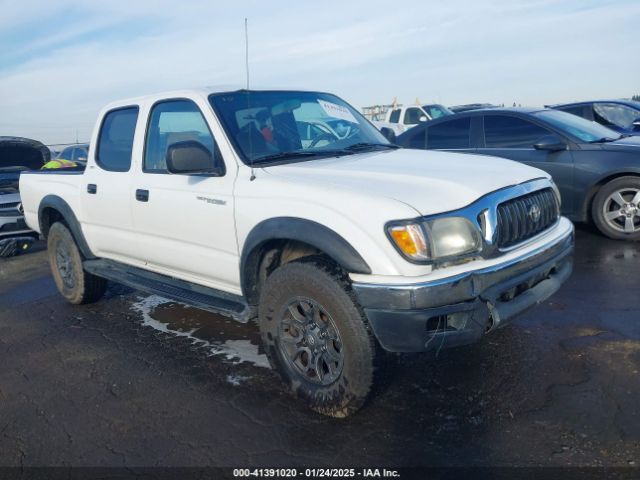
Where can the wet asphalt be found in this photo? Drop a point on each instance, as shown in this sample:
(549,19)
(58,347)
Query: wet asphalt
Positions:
(137,381)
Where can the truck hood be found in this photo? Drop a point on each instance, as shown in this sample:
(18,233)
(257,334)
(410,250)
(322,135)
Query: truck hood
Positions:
(431,182)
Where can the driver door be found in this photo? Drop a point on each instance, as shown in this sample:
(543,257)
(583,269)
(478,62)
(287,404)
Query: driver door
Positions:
(185,222)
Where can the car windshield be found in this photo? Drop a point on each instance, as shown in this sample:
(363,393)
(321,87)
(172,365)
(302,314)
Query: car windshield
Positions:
(577,126)
(282,126)
(437,111)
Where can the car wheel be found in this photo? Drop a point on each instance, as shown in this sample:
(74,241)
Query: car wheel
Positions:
(73,282)
(317,337)
(616,209)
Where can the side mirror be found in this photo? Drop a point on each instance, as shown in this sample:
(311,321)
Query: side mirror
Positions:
(423,118)
(389,134)
(550,143)
(190,157)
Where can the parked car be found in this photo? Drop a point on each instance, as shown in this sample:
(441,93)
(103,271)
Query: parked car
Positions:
(76,153)
(596,169)
(342,249)
(16,156)
(623,116)
(470,106)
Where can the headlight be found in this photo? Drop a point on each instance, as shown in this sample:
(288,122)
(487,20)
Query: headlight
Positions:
(436,239)
(453,236)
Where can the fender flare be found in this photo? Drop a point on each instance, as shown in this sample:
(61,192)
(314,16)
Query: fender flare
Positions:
(58,204)
(301,230)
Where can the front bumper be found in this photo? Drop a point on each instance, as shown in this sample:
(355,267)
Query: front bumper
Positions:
(458,310)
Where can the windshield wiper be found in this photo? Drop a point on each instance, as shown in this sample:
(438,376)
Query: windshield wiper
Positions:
(605,140)
(284,156)
(356,147)
(302,154)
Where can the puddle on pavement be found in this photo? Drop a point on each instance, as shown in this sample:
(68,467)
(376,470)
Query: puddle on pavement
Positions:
(220,335)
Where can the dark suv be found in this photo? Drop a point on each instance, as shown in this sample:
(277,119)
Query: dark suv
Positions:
(620,115)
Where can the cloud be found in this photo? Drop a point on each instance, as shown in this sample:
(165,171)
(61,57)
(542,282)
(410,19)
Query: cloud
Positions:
(63,60)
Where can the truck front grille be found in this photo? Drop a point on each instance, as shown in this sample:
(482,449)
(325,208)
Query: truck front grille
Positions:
(524,217)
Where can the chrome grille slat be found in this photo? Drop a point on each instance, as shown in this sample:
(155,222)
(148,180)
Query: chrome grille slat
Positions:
(9,205)
(516,221)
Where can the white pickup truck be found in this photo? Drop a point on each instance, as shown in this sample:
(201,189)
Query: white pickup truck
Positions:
(342,247)
(402,118)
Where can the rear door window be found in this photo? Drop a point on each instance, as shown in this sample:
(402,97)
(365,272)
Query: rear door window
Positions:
(395,116)
(453,134)
(502,131)
(115,143)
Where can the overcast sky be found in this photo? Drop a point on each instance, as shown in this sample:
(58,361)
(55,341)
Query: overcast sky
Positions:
(62,60)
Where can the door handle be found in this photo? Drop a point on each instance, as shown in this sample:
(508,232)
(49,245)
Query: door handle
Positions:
(92,188)
(142,195)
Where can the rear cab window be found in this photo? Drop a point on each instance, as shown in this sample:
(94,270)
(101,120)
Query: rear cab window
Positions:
(115,140)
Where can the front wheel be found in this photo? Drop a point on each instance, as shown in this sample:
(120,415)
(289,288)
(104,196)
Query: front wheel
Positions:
(316,336)
(73,282)
(616,209)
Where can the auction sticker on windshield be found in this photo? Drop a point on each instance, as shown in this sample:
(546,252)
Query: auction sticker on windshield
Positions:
(337,111)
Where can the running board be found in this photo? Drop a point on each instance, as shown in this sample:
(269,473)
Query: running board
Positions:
(205,298)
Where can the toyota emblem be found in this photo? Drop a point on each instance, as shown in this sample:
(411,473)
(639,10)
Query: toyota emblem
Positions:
(534,213)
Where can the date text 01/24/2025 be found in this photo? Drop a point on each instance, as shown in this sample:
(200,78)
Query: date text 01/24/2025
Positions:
(315,473)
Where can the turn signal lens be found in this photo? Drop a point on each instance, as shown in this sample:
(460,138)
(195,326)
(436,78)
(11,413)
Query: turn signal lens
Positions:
(410,241)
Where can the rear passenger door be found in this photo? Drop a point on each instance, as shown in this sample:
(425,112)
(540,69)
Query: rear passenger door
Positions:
(106,189)
(185,222)
(513,137)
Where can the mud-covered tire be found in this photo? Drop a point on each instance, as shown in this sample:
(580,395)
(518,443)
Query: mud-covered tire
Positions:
(318,284)
(604,203)
(73,282)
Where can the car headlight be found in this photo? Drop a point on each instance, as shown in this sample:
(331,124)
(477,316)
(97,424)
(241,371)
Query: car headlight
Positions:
(436,239)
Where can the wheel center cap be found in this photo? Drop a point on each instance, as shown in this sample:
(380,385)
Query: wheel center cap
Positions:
(311,340)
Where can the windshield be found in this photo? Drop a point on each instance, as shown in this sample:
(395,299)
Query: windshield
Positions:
(577,126)
(281,125)
(437,111)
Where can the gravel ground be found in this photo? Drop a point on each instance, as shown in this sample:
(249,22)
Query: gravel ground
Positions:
(135,380)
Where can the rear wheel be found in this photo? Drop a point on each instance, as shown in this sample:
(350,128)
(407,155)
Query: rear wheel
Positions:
(73,282)
(616,209)
(317,337)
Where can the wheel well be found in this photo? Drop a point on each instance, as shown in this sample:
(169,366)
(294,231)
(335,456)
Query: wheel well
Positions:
(591,194)
(268,256)
(48,217)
